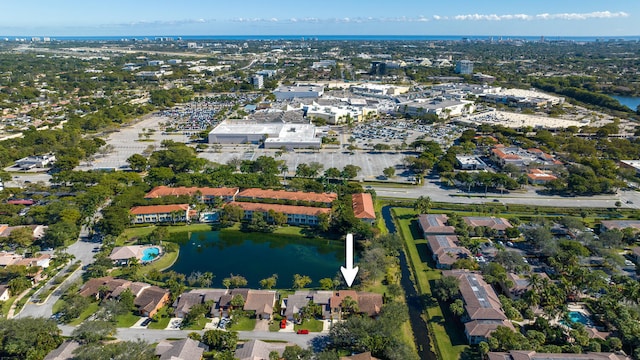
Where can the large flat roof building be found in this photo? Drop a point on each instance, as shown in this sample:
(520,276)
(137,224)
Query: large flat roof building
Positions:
(274,135)
(298,91)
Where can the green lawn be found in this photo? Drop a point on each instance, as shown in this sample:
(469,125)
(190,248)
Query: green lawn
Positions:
(312,325)
(274,326)
(6,305)
(90,310)
(199,325)
(449,337)
(126,320)
(161,324)
(243,324)
(164,262)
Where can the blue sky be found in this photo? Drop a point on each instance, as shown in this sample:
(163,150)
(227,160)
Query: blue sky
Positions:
(328,17)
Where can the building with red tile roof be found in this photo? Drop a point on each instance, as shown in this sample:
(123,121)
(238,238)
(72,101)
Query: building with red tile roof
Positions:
(435,224)
(363,207)
(446,251)
(159,213)
(296,215)
(254,194)
(206,195)
(539,177)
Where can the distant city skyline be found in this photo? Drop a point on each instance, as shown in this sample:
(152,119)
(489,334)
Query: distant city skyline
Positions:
(331,17)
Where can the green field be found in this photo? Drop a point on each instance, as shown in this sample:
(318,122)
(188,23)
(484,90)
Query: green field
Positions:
(243,324)
(447,337)
(312,325)
(126,320)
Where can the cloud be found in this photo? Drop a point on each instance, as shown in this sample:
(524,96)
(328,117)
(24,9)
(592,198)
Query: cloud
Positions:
(544,16)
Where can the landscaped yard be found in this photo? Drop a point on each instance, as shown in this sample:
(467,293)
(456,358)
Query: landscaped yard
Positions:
(243,324)
(90,310)
(449,338)
(199,325)
(161,324)
(312,325)
(126,320)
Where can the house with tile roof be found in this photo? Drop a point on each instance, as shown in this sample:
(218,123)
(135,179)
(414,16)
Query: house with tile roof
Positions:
(532,355)
(150,300)
(363,208)
(540,177)
(206,195)
(606,225)
(362,356)
(185,349)
(483,310)
(256,350)
(446,251)
(296,215)
(261,302)
(160,213)
(435,224)
(491,222)
(300,197)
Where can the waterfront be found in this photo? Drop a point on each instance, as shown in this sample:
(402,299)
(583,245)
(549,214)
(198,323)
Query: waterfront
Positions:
(257,256)
(631,102)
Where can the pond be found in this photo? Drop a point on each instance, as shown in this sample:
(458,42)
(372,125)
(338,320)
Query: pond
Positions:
(631,102)
(257,256)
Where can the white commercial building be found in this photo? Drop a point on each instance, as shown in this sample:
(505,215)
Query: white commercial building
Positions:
(274,135)
(440,107)
(379,89)
(298,91)
(337,114)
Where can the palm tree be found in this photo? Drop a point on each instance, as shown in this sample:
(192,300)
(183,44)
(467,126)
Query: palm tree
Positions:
(422,204)
(349,306)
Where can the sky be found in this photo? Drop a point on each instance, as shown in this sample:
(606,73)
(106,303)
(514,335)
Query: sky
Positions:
(327,17)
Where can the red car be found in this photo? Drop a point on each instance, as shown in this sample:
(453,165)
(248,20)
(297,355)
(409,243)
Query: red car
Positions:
(283,323)
(303,331)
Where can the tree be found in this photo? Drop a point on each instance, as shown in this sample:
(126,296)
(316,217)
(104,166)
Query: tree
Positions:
(349,306)
(236,281)
(389,172)
(237,301)
(326,284)
(219,340)
(296,353)
(137,162)
(301,281)
(446,288)
(457,307)
(93,331)
(422,204)
(350,171)
(130,350)
(28,338)
(270,282)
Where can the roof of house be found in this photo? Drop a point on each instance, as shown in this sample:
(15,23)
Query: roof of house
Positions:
(225,299)
(370,303)
(161,191)
(150,298)
(295,302)
(484,328)
(620,224)
(92,286)
(255,193)
(187,300)
(435,224)
(285,209)
(480,300)
(64,351)
(126,252)
(363,356)
(158,209)
(363,206)
(338,296)
(539,175)
(260,301)
(488,221)
(185,349)
(255,350)
(532,355)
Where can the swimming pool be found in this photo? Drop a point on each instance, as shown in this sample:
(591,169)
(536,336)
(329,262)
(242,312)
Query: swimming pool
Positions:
(578,317)
(149,254)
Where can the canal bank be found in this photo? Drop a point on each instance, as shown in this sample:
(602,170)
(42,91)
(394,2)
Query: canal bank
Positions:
(412,298)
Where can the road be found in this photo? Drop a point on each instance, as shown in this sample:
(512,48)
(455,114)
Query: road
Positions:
(154,336)
(431,187)
(82,251)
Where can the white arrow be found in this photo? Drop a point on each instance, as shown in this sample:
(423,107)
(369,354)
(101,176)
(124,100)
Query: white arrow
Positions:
(349,272)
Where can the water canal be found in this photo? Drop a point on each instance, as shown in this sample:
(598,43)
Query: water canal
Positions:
(256,256)
(420,332)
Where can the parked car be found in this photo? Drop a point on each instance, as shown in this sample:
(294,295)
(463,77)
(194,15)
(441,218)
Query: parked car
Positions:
(146,322)
(283,323)
(303,332)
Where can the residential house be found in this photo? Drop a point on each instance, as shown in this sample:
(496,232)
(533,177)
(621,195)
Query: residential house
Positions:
(261,302)
(446,251)
(159,213)
(532,355)
(308,198)
(225,300)
(185,349)
(520,285)
(185,302)
(370,303)
(435,224)
(336,300)
(296,215)
(37,231)
(151,300)
(606,225)
(4,293)
(293,304)
(498,224)
(363,207)
(64,351)
(256,350)
(205,195)
(363,356)
(483,310)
